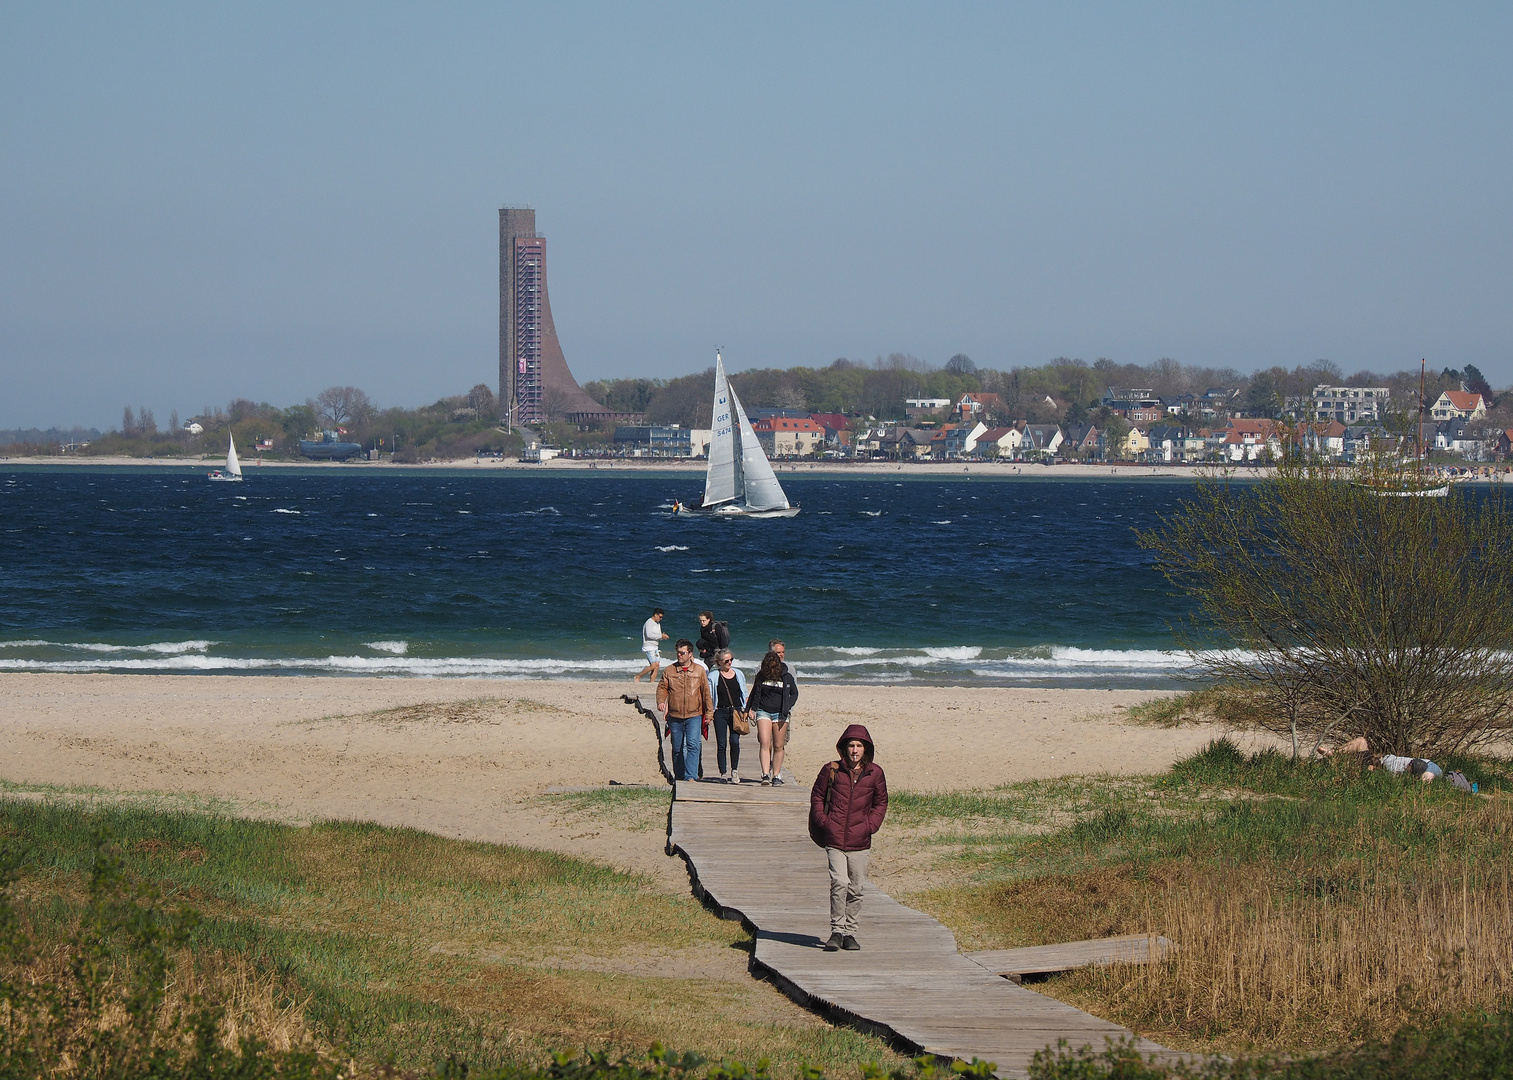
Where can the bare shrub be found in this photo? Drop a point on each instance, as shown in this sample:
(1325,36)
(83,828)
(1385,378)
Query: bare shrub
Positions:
(1342,611)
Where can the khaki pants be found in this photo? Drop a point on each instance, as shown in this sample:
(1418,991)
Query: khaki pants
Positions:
(848,879)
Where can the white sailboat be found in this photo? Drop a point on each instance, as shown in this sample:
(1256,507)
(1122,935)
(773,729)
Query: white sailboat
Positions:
(233,470)
(740,481)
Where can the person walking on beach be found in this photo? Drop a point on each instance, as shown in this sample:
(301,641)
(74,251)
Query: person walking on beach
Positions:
(713,636)
(846,806)
(651,637)
(772,698)
(683,695)
(727,689)
(776,645)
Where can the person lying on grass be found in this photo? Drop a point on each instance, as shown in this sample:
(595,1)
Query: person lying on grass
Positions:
(1419,768)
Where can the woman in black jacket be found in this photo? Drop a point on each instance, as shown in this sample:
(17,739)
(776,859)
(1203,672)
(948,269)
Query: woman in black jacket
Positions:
(771,699)
(713,637)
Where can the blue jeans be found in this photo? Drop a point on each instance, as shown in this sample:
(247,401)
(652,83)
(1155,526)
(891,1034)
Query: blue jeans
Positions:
(687,741)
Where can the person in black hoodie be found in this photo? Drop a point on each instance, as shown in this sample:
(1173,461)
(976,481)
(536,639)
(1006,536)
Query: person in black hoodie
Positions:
(846,806)
(713,637)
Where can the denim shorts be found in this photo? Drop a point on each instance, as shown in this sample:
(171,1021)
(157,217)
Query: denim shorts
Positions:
(772,716)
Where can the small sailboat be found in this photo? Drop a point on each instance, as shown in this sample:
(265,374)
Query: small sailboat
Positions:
(233,469)
(740,481)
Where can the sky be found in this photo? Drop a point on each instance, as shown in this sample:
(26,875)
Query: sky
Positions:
(207,201)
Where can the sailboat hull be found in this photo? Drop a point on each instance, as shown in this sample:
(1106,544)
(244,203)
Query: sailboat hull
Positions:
(735,512)
(223,478)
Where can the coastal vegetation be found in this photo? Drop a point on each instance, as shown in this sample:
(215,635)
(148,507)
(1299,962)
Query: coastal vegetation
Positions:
(1316,910)
(136,935)
(1331,610)
(1313,907)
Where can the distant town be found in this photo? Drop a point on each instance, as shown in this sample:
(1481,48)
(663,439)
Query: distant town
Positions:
(894,409)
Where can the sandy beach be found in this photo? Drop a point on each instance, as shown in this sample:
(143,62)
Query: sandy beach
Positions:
(477,758)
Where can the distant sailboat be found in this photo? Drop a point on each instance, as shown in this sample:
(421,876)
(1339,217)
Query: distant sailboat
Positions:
(233,470)
(740,481)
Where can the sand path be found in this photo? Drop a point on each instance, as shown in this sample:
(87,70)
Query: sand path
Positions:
(474,758)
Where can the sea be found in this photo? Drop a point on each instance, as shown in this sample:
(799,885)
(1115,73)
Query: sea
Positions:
(1021,581)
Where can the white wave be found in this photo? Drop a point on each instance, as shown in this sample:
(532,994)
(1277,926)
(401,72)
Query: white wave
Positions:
(873,513)
(946,522)
(853,650)
(281,510)
(955,652)
(396,648)
(161,648)
(354,665)
(672,547)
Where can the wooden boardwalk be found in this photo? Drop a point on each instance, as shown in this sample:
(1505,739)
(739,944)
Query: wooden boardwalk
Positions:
(1099,952)
(749,855)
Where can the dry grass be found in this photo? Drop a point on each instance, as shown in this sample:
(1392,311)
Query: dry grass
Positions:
(1263,967)
(398,945)
(1312,908)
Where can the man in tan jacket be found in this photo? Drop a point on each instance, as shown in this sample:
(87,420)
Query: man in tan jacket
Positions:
(683,694)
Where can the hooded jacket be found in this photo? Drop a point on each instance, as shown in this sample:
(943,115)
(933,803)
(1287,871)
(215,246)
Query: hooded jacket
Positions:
(845,807)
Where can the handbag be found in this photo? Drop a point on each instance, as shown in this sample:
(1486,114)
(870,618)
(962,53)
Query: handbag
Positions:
(740,722)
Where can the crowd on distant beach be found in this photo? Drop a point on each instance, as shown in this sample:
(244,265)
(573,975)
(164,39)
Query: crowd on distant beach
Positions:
(708,693)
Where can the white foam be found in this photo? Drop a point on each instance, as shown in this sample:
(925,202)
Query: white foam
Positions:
(673,547)
(955,652)
(395,648)
(281,510)
(853,650)
(161,648)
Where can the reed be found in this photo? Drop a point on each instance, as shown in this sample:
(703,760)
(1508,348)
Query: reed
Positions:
(1313,907)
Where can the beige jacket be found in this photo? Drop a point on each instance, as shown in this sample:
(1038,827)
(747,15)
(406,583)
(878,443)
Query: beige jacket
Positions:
(684,692)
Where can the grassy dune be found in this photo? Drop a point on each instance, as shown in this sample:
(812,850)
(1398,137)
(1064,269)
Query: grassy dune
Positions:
(402,946)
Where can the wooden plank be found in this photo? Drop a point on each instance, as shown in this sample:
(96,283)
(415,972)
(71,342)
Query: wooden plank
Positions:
(750,855)
(1097,952)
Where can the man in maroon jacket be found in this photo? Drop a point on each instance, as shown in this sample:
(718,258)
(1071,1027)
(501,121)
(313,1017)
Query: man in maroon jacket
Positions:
(846,806)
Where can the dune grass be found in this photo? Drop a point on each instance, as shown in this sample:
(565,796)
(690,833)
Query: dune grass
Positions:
(401,946)
(1312,905)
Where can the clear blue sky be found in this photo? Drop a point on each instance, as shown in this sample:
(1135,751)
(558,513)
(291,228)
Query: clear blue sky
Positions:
(201,201)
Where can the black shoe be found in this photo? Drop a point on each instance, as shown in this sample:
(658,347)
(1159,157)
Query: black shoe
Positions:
(835,943)
(849,943)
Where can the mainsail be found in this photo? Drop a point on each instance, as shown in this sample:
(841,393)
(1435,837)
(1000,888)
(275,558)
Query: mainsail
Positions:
(762,490)
(723,481)
(233,466)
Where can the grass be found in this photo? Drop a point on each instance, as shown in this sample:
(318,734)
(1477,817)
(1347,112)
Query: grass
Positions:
(1312,906)
(402,946)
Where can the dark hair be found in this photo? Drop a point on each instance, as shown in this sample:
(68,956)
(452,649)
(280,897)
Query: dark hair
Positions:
(707,615)
(658,611)
(771,669)
(683,643)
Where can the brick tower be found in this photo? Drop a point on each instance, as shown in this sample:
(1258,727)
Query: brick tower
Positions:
(535,384)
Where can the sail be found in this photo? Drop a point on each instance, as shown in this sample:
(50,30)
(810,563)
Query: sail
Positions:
(233,466)
(722,481)
(763,492)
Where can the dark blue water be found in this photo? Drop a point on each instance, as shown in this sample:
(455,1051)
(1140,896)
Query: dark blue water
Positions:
(344,570)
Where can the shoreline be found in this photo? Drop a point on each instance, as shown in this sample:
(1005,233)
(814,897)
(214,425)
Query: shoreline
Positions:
(943,470)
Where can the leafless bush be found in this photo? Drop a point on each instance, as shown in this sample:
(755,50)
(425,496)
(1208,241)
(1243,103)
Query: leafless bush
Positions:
(1342,611)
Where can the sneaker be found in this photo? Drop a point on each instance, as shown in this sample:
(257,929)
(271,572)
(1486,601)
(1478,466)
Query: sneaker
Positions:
(835,943)
(849,943)
(777,780)
(766,780)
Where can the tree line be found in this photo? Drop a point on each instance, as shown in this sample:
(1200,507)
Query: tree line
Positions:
(1062,390)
